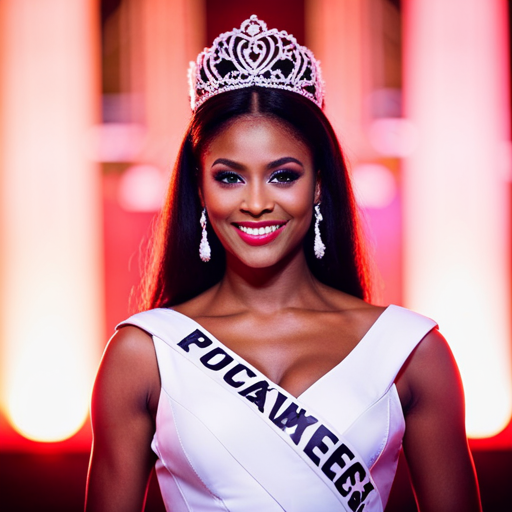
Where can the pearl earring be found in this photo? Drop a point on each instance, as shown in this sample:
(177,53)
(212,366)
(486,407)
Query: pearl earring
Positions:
(205,252)
(319,245)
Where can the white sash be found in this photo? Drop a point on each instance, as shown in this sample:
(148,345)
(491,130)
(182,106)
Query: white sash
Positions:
(323,449)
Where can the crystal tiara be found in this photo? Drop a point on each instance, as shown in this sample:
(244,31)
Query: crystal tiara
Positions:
(254,55)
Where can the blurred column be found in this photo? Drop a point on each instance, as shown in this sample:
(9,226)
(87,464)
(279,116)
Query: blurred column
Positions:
(165,36)
(159,39)
(358,45)
(335,33)
(51,278)
(456,191)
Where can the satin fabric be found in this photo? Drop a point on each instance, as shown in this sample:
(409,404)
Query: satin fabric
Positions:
(217,452)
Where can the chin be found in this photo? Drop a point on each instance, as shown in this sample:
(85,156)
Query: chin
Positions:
(258,262)
(266,259)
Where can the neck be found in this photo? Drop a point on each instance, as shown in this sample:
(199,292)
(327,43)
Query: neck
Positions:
(287,284)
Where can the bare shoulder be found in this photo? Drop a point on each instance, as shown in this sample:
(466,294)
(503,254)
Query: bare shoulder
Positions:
(433,348)
(431,361)
(431,376)
(129,367)
(130,342)
(131,351)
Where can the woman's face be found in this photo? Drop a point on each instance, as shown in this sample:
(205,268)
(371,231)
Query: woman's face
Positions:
(258,185)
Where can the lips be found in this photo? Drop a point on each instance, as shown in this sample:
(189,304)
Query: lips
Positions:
(259,233)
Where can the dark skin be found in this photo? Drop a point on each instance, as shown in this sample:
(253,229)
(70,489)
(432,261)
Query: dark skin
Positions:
(271,311)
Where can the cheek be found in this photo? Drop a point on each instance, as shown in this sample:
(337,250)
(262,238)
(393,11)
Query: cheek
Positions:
(298,200)
(209,194)
(217,200)
(220,204)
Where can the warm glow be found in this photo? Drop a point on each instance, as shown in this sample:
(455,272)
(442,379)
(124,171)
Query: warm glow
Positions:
(51,305)
(48,394)
(374,185)
(393,136)
(456,209)
(142,189)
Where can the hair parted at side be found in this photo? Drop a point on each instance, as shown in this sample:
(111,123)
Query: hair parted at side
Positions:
(174,270)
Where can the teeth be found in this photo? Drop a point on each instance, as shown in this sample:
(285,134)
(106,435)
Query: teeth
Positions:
(259,231)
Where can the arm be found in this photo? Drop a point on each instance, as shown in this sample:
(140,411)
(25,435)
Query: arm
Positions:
(125,391)
(435,443)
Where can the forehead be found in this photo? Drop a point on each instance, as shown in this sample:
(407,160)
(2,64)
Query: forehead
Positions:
(259,135)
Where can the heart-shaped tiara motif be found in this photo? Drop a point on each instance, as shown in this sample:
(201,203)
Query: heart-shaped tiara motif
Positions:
(254,55)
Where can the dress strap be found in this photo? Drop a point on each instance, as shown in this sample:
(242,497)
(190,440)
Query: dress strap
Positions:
(372,366)
(389,344)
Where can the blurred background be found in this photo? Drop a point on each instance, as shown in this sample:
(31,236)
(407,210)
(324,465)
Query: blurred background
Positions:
(93,106)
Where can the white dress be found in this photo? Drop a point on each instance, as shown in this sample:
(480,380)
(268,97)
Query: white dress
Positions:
(229,439)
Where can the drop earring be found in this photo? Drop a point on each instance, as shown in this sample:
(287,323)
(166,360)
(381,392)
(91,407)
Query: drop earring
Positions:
(205,252)
(319,245)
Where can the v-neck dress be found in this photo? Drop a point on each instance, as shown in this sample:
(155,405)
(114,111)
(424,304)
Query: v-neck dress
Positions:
(229,439)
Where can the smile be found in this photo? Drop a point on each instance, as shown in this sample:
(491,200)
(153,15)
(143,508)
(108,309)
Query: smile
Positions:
(259,233)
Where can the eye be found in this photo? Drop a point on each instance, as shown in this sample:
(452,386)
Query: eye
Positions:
(228,178)
(284,176)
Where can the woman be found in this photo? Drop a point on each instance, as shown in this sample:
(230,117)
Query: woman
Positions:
(264,380)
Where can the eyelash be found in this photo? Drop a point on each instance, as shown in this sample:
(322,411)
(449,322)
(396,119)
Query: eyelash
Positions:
(223,176)
(288,175)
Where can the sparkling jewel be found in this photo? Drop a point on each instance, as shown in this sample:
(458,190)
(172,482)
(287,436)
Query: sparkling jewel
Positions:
(319,246)
(255,56)
(205,252)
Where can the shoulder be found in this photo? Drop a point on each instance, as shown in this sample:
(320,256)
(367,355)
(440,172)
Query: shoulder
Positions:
(129,345)
(128,368)
(430,374)
(432,358)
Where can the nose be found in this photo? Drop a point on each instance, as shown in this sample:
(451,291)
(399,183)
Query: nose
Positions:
(257,200)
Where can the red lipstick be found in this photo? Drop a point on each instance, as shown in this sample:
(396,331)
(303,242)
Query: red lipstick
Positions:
(250,237)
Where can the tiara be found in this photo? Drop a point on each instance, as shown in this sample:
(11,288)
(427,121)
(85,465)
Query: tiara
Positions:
(254,55)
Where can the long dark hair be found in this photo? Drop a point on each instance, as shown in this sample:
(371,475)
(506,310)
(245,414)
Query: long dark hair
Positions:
(175,273)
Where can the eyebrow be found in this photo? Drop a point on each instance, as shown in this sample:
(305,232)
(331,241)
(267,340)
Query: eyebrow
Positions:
(284,160)
(229,163)
(271,165)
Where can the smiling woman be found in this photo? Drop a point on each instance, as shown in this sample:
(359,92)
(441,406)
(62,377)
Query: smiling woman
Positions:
(258,185)
(303,125)
(258,377)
